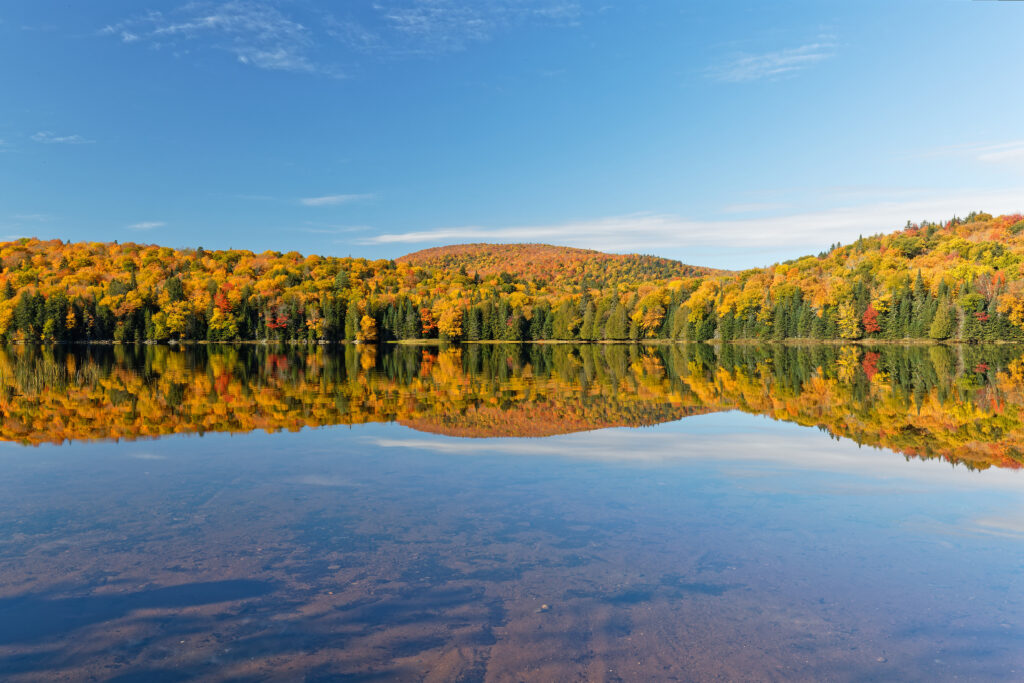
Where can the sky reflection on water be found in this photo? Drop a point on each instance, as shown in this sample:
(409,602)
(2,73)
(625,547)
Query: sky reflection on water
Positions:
(722,546)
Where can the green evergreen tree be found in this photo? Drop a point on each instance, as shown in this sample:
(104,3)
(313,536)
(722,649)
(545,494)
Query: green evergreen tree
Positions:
(352,319)
(175,290)
(587,328)
(618,324)
(943,324)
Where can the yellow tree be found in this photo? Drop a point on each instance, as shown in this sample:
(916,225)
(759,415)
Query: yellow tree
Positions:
(177,317)
(449,322)
(650,312)
(849,325)
(367,329)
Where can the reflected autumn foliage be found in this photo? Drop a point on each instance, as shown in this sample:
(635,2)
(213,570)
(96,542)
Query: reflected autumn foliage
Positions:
(961,404)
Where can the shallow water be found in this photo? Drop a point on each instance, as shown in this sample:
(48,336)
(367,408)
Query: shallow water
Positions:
(717,545)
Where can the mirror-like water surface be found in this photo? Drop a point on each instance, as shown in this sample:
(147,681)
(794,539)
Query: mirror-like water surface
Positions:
(710,544)
(961,404)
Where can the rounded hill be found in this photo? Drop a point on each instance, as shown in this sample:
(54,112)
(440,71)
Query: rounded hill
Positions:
(552,263)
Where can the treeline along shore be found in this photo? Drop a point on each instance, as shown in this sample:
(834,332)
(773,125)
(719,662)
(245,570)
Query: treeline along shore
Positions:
(960,280)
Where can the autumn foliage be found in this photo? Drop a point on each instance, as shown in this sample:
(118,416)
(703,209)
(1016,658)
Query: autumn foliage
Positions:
(957,280)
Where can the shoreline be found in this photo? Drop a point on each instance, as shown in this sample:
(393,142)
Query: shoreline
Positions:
(545,342)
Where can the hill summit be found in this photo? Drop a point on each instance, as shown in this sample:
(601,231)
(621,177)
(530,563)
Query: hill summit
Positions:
(554,263)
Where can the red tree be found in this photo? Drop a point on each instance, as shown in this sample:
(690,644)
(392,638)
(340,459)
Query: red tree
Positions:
(870,320)
(222,303)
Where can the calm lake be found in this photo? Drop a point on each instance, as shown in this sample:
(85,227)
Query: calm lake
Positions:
(506,513)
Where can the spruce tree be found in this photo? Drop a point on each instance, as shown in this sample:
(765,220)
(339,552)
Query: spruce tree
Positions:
(943,323)
(352,321)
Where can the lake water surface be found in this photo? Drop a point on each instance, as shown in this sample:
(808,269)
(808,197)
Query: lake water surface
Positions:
(512,513)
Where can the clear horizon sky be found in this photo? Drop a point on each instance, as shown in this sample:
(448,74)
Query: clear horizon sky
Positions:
(720,133)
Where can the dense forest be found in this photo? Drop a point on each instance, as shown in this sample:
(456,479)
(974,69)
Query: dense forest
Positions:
(959,280)
(964,404)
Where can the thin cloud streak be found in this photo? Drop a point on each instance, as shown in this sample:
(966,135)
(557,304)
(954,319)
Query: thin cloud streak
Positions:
(759,207)
(48,137)
(334,199)
(146,225)
(988,153)
(336,230)
(768,65)
(657,233)
(998,153)
(995,154)
(255,197)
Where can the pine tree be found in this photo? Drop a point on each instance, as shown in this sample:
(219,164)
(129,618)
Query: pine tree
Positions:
(473,324)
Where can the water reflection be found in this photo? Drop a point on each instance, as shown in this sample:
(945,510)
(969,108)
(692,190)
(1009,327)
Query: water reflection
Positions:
(960,404)
(723,546)
(357,554)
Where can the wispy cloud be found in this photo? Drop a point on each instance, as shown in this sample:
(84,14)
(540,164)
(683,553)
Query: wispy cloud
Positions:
(323,200)
(755,67)
(354,35)
(663,232)
(989,153)
(1011,151)
(146,225)
(755,207)
(50,138)
(437,26)
(256,33)
(34,217)
(334,199)
(42,28)
(318,229)
(289,36)
(255,197)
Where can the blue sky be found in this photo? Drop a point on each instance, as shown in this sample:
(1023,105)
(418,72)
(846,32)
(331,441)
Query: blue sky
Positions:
(729,133)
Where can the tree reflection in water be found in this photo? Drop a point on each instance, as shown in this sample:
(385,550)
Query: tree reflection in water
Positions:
(964,404)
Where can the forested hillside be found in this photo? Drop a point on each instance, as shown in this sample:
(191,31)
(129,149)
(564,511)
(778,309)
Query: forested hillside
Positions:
(545,263)
(960,280)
